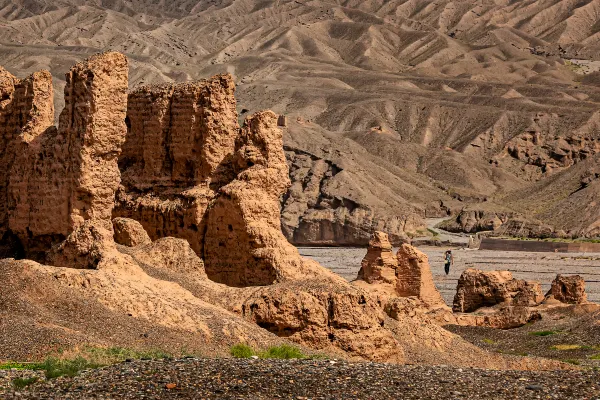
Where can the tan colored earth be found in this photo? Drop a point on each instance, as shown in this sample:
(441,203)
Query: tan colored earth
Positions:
(396,111)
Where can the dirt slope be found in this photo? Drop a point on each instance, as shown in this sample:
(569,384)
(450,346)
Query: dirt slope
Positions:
(432,106)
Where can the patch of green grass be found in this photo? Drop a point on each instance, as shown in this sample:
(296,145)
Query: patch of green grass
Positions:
(55,367)
(241,351)
(543,333)
(113,355)
(488,341)
(433,232)
(82,359)
(19,366)
(283,352)
(22,383)
(595,357)
(572,361)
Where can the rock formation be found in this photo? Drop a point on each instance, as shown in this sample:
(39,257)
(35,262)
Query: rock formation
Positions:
(129,232)
(180,137)
(190,172)
(478,289)
(414,276)
(406,274)
(57,179)
(568,289)
(380,264)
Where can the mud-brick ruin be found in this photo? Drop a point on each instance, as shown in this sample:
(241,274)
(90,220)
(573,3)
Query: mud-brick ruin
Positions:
(162,215)
(175,156)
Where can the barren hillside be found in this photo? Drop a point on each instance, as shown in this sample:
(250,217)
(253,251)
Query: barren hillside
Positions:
(397,110)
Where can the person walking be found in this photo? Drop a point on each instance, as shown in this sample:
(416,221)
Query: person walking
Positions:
(449,259)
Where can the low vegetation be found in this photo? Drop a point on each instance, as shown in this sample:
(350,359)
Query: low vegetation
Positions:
(80,360)
(22,383)
(283,352)
(566,347)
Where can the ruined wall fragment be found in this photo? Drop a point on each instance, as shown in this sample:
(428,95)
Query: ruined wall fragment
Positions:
(415,278)
(178,152)
(244,245)
(568,289)
(60,178)
(26,111)
(478,289)
(380,263)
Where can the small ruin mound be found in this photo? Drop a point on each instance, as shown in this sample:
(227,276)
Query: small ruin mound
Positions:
(129,232)
(406,274)
(478,289)
(568,289)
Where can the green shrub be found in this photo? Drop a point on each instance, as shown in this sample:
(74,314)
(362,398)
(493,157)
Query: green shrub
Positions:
(22,383)
(241,351)
(112,355)
(488,341)
(543,333)
(55,367)
(571,361)
(20,366)
(283,352)
(595,357)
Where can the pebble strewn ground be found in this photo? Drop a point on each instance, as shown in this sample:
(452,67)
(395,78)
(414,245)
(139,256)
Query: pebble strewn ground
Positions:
(274,379)
(542,267)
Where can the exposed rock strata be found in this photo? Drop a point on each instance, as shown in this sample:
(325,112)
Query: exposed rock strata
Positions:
(568,289)
(478,289)
(316,212)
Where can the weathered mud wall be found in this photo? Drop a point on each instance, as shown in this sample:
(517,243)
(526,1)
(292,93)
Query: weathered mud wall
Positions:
(179,146)
(56,179)
(190,172)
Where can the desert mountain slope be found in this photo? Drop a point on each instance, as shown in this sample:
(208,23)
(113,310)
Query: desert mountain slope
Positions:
(431,107)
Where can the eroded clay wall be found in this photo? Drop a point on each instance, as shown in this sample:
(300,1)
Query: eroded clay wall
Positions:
(180,142)
(58,178)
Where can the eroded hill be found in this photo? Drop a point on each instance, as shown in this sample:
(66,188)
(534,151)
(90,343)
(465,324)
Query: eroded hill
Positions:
(396,110)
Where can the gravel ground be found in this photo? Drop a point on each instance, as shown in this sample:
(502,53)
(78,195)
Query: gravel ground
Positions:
(272,379)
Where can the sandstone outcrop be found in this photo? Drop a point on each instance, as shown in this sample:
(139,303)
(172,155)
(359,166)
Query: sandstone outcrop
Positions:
(478,289)
(473,221)
(58,179)
(568,289)
(327,203)
(129,232)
